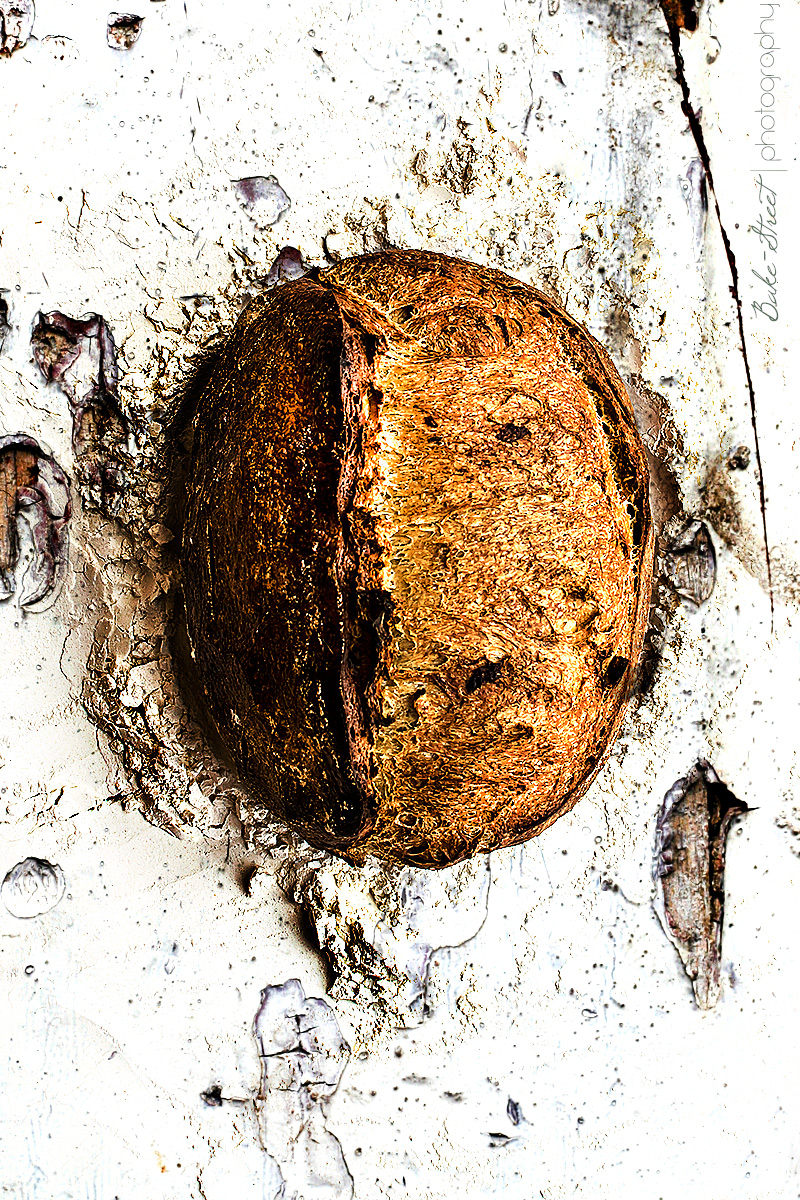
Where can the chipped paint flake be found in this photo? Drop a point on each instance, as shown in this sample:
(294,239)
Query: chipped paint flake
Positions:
(35,510)
(32,888)
(263,199)
(16,24)
(692,829)
(303,1056)
(123,30)
(78,354)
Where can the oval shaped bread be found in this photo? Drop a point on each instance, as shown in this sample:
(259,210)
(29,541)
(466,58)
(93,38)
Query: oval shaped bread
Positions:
(417,556)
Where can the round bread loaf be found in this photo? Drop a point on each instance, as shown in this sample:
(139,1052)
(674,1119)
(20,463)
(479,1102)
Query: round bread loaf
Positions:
(417,556)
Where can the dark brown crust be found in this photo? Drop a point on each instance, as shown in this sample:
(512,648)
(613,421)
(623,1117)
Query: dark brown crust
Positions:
(259,560)
(477,493)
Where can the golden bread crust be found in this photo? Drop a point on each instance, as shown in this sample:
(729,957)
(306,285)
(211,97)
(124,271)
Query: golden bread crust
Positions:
(419,481)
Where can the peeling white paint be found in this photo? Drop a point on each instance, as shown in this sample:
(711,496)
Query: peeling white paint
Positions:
(303,1055)
(32,888)
(561,1052)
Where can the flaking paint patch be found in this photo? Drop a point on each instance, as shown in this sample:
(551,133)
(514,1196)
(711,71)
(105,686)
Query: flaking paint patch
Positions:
(35,511)
(4,322)
(263,199)
(303,1056)
(690,563)
(32,888)
(123,30)
(390,936)
(695,193)
(691,834)
(16,24)
(79,355)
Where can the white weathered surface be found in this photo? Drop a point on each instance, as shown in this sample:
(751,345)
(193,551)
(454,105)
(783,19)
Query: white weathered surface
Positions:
(562,1053)
(303,1055)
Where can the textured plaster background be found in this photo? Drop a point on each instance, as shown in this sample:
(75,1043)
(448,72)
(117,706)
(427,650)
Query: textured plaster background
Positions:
(518,1026)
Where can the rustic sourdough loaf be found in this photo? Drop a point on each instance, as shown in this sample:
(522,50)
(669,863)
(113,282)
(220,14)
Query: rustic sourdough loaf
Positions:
(417,556)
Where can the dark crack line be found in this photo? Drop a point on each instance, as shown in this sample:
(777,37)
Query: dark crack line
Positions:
(700,141)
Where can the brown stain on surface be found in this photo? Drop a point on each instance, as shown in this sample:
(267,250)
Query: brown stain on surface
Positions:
(681,14)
